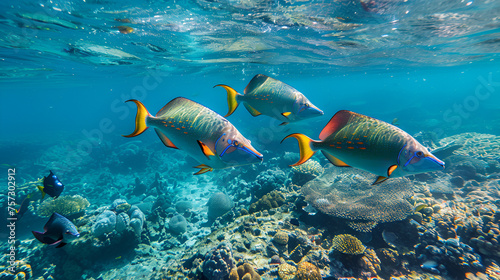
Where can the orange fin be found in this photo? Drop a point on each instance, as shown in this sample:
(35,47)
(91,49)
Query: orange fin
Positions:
(379,180)
(252,110)
(336,123)
(391,169)
(205,149)
(306,152)
(286,114)
(203,169)
(140,119)
(335,161)
(232,100)
(165,139)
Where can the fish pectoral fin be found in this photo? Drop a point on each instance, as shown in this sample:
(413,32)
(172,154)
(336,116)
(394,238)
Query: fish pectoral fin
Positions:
(205,149)
(286,114)
(61,244)
(203,169)
(391,169)
(335,161)
(284,123)
(252,110)
(379,180)
(165,139)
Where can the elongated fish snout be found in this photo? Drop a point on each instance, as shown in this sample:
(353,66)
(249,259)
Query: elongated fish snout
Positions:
(436,160)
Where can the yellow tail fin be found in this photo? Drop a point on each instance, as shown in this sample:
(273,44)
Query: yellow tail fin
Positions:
(140,119)
(41,190)
(232,102)
(306,152)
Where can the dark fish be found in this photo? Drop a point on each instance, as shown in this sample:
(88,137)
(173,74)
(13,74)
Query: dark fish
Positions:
(23,207)
(267,96)
(51,186)
(57,231)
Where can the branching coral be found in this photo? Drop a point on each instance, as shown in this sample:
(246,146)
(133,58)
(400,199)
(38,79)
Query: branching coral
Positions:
(65,205)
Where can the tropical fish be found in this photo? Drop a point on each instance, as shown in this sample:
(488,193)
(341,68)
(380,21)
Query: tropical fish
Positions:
(23,207)
(351,139)
(205,135)
(51,186)
(270,97)
(57,231)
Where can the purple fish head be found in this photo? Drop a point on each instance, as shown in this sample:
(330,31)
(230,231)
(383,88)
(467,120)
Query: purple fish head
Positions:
(304,109)
(414,158)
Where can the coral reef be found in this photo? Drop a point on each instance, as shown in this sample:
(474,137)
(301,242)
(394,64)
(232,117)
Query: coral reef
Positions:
(218,262)
(218,204)
(271,200)
(244,272)
(281,237)
(287,271)
(308,271)
(66,205)
(476,145)
(349,195)
(348,244)
(105,223)
(268,181)
(137,219)
(304,173)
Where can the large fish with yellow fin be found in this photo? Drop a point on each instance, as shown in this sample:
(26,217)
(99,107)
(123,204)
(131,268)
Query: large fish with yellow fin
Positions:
(202,133)
(267,96)
(351,139)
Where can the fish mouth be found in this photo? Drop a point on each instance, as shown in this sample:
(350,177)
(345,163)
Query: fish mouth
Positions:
(436,160)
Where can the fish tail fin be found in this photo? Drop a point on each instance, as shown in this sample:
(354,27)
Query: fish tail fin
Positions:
(41,190)
(305,147)
(140,119)
(232,98)
(39,236)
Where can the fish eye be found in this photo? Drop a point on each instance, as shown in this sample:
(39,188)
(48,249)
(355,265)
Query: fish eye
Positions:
(236,143)
(419,154)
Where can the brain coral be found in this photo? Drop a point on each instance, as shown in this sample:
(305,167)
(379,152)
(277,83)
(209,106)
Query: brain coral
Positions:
(65,205)
(218,205)
(286,271)
(304,173)
(308,271)
(349,194)
(178,224)
(105,223)
(348,244)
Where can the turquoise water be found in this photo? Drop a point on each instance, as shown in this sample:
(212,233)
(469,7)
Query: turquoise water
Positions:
(66,71)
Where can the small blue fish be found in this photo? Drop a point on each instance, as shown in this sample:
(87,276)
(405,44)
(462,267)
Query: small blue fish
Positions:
(57,231)
(51,186)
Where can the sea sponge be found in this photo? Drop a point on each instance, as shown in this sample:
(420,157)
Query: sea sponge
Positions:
(348,244)
(218,205)
(105,223)
(177,224)
(65,205)
(308,271)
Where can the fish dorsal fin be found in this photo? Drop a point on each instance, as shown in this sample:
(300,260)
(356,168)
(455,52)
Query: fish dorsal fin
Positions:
(51,220)
(252,110)
(165,139)
(205,149)
(337,122)
(391,169)
(203,169)
(379,180)
(286,114)
(256,82)
(174,103)
(335,161)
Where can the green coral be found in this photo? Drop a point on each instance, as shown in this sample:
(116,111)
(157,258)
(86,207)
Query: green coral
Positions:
(271,200)
(348,244)
(65,205)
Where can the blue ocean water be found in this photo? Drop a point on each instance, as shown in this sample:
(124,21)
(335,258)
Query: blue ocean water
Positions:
(67,68)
